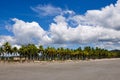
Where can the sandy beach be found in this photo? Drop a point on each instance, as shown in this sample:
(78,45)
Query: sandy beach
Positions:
(104,69)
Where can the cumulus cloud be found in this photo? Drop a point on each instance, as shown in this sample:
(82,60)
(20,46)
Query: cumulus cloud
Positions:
(4,39)
(108,17)
(99,27)
(62,33)
(25,33)
(29,32)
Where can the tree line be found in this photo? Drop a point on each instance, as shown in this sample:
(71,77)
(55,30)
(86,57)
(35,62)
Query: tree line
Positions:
(30,52)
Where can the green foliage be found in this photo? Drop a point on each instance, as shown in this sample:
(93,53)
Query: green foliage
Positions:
(31,52)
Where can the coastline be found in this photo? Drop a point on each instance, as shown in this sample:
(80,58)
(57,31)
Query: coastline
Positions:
(61,62)
(100,69)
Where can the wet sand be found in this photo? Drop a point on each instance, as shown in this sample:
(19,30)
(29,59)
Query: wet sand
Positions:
(71,70)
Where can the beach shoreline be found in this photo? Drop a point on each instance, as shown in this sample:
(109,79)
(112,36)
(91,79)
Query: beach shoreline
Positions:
(59,61)
(99,69)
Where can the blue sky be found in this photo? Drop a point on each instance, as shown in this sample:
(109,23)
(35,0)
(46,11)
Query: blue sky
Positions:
(21,8)
(49,14)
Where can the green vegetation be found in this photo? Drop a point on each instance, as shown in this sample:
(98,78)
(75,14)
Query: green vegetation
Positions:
(30,53)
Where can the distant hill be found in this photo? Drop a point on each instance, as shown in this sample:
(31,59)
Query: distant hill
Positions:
(116,50)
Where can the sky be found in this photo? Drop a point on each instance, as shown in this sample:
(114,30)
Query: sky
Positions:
(61,23)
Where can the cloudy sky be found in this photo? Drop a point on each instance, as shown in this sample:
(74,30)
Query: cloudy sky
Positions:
(61,23)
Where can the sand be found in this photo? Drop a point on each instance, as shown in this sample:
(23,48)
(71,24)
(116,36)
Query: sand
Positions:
(105,69)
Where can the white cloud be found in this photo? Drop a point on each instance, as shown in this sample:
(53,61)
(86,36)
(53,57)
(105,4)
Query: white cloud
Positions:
(46,10)
(58,29)
(108,45)
(100,27)
(108,17)
(26,32)
(61,33)
(4,39)
(29,32)
(49,10)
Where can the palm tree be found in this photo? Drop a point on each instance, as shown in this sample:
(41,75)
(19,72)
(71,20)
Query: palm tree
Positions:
(80,55)
(15,52)
(32,51)
(58,51)
(7,49)
(23,52)
(1,53)
(62,53)
(50,53)
(41,52)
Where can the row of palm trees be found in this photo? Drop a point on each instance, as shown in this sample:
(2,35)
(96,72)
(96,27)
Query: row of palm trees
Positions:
(30,53)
